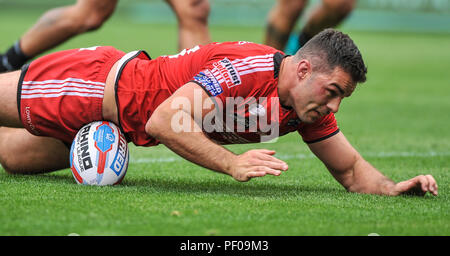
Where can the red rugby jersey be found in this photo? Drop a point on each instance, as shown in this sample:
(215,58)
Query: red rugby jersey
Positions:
(240,77)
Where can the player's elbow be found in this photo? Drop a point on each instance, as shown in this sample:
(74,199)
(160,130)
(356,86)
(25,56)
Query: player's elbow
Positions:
(353,188)
(156,125)
(349,184)
(151,128)
(347,178)
(357,178)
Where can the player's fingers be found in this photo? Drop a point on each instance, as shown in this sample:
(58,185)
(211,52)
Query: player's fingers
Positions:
(268,157)
(411,187)
(423,182)
(405,185)
(268,162)
(266,151)
(255,174)
(275,165)
(259,171)
(267,170)
(435,185)
(432,186)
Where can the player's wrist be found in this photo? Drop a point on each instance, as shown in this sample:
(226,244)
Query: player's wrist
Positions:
(389,188)
(229,164)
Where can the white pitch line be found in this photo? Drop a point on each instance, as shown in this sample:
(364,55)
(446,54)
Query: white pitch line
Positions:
(140,160)
(306,156)
(154,160)
(373,154)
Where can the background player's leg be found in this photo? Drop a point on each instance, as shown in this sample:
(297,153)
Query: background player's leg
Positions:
(192,18)
(56,26)
(24,153)
(281,20)
(328,14)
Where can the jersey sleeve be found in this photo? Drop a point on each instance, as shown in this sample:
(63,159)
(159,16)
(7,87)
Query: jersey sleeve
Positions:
(235,69)
(319,130)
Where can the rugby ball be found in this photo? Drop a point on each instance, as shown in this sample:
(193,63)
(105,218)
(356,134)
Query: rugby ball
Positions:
(99,154)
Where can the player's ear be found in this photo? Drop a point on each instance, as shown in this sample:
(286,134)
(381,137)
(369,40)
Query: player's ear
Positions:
(303,69)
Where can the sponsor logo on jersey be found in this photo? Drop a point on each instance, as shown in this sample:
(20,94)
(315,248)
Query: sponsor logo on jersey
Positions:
(29,122)
(209,82)
(228,72)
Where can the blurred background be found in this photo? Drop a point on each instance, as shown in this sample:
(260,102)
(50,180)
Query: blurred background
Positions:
(405,44)
(398,120)
(424,16)
(380,15)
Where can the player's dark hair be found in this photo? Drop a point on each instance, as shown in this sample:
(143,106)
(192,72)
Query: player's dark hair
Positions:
(337,49)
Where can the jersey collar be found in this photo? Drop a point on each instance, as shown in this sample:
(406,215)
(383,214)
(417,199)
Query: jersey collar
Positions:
(277,59)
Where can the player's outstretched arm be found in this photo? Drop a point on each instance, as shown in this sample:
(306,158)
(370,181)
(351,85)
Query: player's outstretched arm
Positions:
(357,175)
(188,140)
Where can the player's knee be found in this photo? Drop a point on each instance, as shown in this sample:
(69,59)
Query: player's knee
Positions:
(23,153)
(196,14)
(15,163)
(9,160)
(340,7)
(293,7)
(8,169)
(82,19)
(3,154)
(8,163)
(93,22)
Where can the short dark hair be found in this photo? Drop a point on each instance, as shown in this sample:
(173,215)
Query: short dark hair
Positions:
(337,49)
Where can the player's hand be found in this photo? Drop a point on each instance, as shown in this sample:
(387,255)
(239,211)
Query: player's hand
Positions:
(418,186)
(257,163)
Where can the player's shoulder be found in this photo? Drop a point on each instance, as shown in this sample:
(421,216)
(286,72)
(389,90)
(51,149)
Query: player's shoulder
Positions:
(247,57)
(242,49)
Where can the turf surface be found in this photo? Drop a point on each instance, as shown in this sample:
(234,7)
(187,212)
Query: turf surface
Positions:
(398,120)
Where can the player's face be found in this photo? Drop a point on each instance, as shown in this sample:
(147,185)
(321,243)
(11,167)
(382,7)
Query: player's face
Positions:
(321,93)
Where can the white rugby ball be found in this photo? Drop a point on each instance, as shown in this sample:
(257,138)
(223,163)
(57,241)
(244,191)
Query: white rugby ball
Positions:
(99,154)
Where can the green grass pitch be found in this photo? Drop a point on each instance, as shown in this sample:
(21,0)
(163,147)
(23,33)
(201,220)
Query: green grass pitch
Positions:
(399,120)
